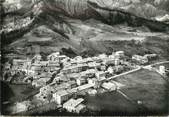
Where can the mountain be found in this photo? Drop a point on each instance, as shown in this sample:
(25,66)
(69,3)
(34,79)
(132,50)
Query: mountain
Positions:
(90,36)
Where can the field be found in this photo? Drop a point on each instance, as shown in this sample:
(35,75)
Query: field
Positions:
(148,87)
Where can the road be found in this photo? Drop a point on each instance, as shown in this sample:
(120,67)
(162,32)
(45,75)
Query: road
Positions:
(135,70)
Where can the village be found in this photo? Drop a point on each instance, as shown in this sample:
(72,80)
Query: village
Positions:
(64,80)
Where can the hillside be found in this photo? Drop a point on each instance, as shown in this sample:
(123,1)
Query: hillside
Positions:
(91,38)
(77,33)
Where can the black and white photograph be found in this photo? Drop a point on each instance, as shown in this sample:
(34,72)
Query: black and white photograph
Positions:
(84,57)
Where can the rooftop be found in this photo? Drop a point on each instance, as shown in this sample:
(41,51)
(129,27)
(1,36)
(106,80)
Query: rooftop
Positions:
(73,103)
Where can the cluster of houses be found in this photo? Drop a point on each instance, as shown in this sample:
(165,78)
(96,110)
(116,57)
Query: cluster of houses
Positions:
(70,76)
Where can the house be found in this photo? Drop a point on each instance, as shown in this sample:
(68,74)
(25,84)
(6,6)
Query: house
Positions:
(40,82)
(66,61)
(73,105)
(53,66)
(93,65)
(21,64)
(162,70)
(100,74)
(92,91)
(108,61)
(112,56)
(109,86)
(150,56)
(117,61)
(62,57)
(73,84)
(119,69)
(140,59)
(102,56)
(61,96)
(110,70)
(80,81)
(88,73)
(53,56)
(103,67)
(74,69)
(47,89)
(93,81)
(35,67)
(85,86)
(37,58)
(22,106)
(45,97)
(119,54)
(79,108)
(89,59)
(78,58)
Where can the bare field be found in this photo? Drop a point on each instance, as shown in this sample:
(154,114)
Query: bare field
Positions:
(148,87)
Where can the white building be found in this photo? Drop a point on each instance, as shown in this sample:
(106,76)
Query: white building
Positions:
(72,104)
(119,54)
(80,81)
(110,70)
(162,70)
(92,92)
(102,56)
(37,58)
(93,65)
(109,86)
(22,106)
(150,56)
(53,56)
(61,96)
(93,81)
(100,74)
(79,108)
(140,59)
(78,58)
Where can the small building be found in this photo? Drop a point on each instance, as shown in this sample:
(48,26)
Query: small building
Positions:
(110,70)
(79,108)
(73,105)
(40,82)
(109,86)
(78,58)
(119,54)
(84,87)
(92,92)
(53,56)
(162,70)
(140,59)
(93,81)
(103,67)
(80,81)
(119,69)
(116,61)
(101,74)
(75,69)
(62,57)
(102,56)
(22,106)
(37,58)
(61,96)
(150,56)
(94,65)
(88,73)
